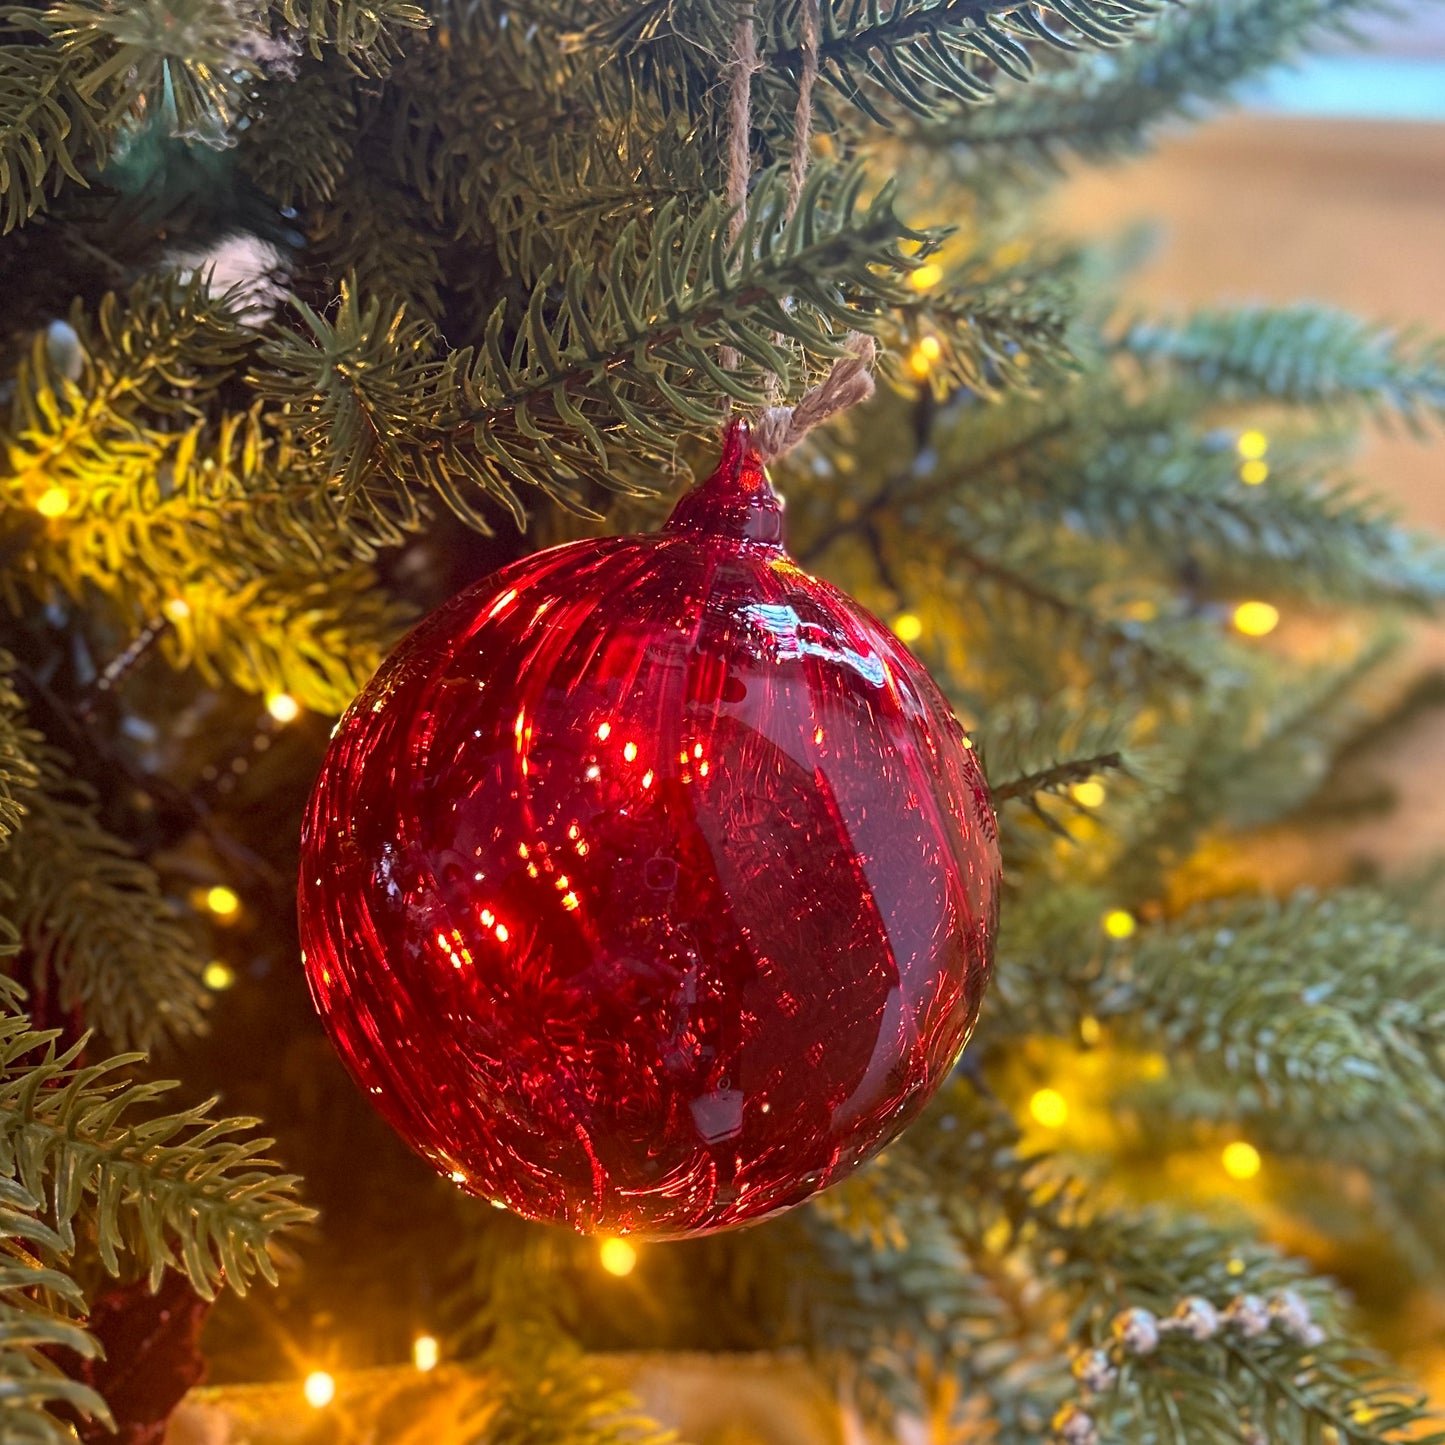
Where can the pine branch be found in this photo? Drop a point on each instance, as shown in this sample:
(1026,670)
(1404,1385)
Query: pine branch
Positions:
(19,772)
(1257,747)
(317,637)
(1113,647)
(923,57)
(48,130)
(72,77)
(37,1300)
(573,194)
(300,141)
(895,1310)
(1016,1214)
(378,234)
(1300,356)
(1292,1385)
(999,332)
(367,34)
(215,522)
(1311,1014)
(1031,748)
(599,381)
(1057,776)
(93,922)
(156,355)
(543,1390)
(1108,105)
(183,59)
(182,1191)
(1175,497)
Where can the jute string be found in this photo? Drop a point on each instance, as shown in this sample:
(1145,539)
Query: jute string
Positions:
(780,428)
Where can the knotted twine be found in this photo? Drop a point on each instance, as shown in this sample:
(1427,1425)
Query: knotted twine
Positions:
(780,428)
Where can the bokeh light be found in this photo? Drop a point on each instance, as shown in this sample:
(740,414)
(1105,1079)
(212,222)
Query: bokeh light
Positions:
(1241,1160)
(618,1256)
(222,901)
(319,1389)
(1049,1108)
(1256,619)
(1119,923)
(53,502)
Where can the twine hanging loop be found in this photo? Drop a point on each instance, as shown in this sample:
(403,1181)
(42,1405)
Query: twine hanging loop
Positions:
(850,381)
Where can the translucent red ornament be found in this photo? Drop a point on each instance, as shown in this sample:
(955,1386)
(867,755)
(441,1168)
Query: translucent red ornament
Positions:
(651,884)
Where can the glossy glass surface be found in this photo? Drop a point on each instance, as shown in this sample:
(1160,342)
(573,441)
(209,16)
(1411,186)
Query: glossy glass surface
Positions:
(650,885)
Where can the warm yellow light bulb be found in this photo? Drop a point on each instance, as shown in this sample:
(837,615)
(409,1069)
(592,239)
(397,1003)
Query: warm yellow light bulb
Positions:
(425,1352)
(1120,923)
(618,1256)
(1089,794)
(1090,1031)
(53,502)
(1252,444)
(218,976)
(908,627)
(176,609)
(1240,1160)
(319,1389)
(922,357)
(1256,619)
(927,276)
(1049,1108)
(1253,473)
(283,707)
(222,901)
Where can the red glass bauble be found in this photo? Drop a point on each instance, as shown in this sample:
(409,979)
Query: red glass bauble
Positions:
(651,885)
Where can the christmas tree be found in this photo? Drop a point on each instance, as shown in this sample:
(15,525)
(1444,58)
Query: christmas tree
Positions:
(316,314)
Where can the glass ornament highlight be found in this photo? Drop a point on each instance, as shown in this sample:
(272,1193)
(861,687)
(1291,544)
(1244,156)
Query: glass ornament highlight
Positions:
(651,886)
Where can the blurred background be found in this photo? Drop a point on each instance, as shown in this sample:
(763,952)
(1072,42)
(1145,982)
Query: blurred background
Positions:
(1327,185)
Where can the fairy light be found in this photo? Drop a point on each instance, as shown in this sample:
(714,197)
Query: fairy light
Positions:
(425,1352)
(53,502)
(1253,473)
(1256,619)
(176,609)
(629,751)
(1252,445)
(1049,1108)
(1235,1267)
(222,901)
(1241,1160)
(926,277)
(319,1389)
(283,707)
(1090,1031)
(604,731)
(1120,923)
(218,976)
(1088,794)
(618,1257)
(908,627)
(923,355)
